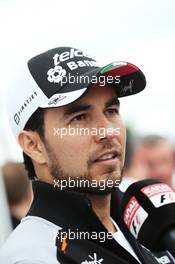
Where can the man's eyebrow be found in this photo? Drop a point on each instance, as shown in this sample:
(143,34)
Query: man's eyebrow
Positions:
(75,108)
(113,101)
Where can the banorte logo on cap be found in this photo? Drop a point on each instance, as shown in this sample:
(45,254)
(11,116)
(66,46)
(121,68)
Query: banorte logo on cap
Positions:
(56,74)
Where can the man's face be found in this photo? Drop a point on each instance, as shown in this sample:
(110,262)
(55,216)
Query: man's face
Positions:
(94,155)
(159,161)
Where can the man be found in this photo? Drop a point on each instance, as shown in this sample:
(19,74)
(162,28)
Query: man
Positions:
(152,159)
(157,158)
(75,216)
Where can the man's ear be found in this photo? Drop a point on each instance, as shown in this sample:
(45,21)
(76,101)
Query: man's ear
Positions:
(32,145)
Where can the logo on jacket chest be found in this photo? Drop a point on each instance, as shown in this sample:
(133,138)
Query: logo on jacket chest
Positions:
(93,260)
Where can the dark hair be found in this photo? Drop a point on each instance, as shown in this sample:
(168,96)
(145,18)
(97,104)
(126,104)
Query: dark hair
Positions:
(35,123)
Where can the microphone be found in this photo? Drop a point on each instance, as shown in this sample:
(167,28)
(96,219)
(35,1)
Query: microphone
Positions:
(148,209)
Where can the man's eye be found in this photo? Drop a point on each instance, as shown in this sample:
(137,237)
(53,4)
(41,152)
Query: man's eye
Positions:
(113,111)
(78,117)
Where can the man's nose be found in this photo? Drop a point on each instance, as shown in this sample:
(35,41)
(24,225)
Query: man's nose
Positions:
(105,128)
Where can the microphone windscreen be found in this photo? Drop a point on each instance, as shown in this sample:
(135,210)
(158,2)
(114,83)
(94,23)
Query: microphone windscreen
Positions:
(148,208)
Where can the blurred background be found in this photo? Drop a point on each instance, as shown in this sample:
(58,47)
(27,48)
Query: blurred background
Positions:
(138,31)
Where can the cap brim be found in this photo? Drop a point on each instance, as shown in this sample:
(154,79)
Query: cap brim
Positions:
(132,79)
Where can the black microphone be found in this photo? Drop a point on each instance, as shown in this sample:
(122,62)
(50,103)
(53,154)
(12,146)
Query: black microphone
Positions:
(148,209)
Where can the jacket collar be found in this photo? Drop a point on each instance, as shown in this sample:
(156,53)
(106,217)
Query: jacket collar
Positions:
(71,210)
(71,205)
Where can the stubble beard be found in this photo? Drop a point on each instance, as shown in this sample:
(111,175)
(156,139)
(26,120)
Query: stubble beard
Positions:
(59,175)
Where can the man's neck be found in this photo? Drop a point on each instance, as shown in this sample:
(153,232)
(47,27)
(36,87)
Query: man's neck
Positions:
(101,205)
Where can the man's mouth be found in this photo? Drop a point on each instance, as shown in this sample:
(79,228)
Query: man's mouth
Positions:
(108,158)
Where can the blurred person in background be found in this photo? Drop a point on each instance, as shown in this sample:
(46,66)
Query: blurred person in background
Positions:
(156,156)
(153,158)
(18,189)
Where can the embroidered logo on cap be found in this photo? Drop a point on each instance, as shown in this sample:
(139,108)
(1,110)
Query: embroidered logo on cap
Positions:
(69,59)
(128,87)
(56,99)
(56,74)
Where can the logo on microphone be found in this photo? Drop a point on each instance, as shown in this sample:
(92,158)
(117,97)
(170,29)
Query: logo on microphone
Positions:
(159,194)
(134,216)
